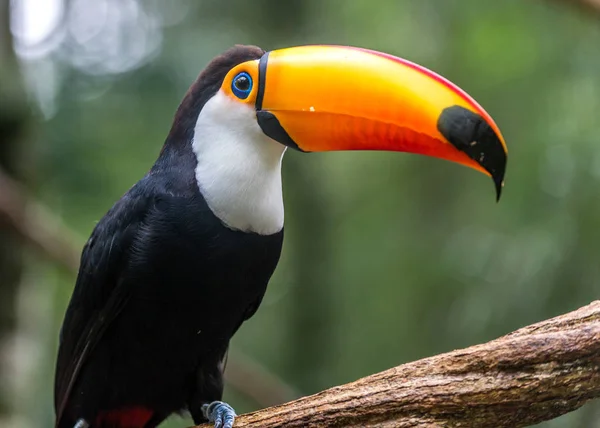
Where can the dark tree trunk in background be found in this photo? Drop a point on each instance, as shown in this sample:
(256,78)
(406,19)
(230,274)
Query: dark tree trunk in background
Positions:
(14,121)
(311,335)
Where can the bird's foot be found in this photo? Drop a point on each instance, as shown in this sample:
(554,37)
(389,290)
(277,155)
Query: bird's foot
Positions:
(81,424)
(222,414)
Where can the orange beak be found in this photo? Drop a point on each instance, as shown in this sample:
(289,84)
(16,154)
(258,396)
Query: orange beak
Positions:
(322,98)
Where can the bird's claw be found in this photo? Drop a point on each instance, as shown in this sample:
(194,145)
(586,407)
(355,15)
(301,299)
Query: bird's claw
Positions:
(222,414)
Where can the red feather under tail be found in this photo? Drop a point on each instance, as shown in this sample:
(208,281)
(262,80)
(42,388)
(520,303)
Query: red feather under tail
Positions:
(128,417)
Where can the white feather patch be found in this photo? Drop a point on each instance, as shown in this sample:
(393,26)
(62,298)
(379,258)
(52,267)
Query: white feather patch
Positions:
(239,167)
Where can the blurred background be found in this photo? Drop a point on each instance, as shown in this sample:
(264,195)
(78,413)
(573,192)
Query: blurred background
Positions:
(388,257)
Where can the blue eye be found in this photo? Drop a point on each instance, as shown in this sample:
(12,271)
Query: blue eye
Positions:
(242,85)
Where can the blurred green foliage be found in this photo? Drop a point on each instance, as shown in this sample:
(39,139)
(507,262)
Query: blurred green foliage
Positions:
(388,257)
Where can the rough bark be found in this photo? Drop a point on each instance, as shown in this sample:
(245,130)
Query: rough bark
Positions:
(531,375)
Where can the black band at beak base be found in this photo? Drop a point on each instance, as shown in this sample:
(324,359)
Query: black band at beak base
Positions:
(266,120)
(262,78)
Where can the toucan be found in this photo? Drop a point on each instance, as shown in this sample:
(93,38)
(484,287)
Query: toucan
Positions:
(174,268)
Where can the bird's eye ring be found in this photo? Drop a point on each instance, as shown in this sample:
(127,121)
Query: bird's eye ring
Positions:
(241,85)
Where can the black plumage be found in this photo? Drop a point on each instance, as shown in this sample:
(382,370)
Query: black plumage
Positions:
(162,287)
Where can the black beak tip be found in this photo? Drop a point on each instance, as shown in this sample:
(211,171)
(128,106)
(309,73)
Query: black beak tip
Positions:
(472,135)
(499,185)
(497,170)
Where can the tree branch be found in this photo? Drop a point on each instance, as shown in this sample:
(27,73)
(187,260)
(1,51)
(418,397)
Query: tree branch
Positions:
(256,382)
(36,224)
(590,4)
(533,374)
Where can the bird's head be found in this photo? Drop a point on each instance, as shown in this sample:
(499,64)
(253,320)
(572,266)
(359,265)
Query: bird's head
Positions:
(325,98)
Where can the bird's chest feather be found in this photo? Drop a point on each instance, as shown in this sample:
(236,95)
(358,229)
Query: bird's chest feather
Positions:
(188,261)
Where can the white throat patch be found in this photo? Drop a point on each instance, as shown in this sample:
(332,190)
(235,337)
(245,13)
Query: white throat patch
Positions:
(239,167)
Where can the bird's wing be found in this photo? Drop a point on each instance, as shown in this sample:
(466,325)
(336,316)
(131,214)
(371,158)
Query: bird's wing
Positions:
(99,293)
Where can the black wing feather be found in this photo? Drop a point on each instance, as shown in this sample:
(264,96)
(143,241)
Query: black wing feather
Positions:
(99,294)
